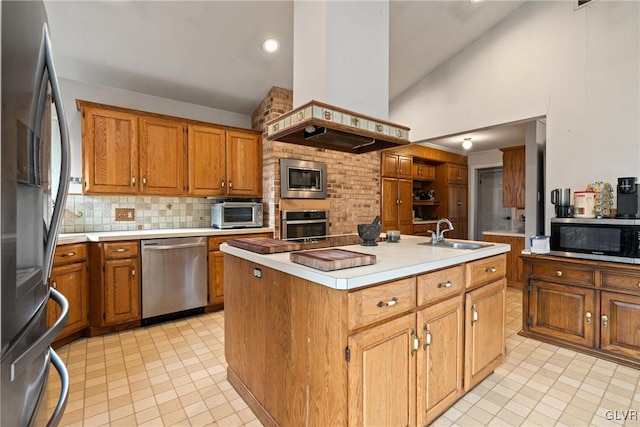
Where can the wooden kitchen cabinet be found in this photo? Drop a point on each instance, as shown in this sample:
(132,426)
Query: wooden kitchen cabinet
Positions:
(69,276)
(243,153)
(206,162)
(397,210)
(396,165)
(451,190)
(457,211)
(215,279)
(109,152)
(424,172)
(115,286)
(162,154)
(588,306)
(513,169)
(514,262)
(456,174)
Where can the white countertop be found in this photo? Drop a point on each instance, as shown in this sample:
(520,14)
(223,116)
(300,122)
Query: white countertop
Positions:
(512,233)
(393,260)
(107,236)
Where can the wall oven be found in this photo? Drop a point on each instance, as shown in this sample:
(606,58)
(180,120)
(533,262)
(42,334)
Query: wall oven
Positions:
(302,179)
(236,215)
(304,224)
(603,239)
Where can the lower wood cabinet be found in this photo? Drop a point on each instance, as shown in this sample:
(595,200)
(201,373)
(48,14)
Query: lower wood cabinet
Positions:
(69,277)
(215,293)
(391,354)
(115,286)
(588,306)
(514,262)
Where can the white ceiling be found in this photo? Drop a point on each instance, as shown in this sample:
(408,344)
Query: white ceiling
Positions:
(208,52)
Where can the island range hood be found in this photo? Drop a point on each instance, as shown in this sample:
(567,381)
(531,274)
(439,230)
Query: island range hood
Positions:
(320,125)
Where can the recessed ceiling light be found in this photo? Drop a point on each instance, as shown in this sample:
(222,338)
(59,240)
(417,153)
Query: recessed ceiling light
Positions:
(467,144)
(270,45)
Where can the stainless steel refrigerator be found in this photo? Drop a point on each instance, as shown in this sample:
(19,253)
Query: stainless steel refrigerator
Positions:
(31,209)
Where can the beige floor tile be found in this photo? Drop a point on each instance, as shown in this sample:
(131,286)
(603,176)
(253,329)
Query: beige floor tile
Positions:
(146,415)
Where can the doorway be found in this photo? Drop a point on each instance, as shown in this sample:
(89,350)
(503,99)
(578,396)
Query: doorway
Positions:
(490,214)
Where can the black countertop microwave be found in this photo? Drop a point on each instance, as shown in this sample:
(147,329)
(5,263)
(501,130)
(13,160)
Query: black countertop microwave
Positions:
(602,239)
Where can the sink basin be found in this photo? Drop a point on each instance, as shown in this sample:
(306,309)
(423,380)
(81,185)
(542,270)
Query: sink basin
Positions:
(457,245)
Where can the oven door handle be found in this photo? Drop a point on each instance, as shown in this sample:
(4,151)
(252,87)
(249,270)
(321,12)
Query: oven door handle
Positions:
(304,221)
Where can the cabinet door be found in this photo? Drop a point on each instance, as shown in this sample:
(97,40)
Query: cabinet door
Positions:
(244,164)
(513,162)
(121,290)
(206,160)
(456,174)
(439,370)
(514,266)
(396,165)
(404,167)
(109,152)
(620,324)
(216,277)
(383,359)
(162,154)
(390,204)
(71,281)
(562,312)
(484,331)
(405,207)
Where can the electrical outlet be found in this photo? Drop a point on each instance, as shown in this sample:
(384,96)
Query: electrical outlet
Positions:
(125,214)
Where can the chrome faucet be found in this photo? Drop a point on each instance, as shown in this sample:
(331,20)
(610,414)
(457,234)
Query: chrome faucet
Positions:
(438,236)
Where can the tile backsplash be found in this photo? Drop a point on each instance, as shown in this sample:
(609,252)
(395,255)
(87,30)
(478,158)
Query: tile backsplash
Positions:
(97,213)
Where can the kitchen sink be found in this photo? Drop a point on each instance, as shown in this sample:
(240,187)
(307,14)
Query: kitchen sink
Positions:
(457,245)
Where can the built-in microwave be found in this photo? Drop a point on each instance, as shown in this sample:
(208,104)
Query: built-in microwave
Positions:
(303,179)
(603,239)
(236,214)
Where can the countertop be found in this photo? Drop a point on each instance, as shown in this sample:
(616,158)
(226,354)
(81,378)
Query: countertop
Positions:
(393,260)
(107,236)
(511,233)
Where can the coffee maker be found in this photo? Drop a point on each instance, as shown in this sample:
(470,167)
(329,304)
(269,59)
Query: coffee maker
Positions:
(628,200)
(561,197)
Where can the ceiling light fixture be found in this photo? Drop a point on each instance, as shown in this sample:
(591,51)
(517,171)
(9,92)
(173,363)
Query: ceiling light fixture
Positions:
(270,45)
(467,144)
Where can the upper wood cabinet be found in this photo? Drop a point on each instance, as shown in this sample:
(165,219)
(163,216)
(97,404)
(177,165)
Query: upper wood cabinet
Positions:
(456,174)
(396,165)
(132,152)
(109,151)
(423,172)
(162,153)
(513,177)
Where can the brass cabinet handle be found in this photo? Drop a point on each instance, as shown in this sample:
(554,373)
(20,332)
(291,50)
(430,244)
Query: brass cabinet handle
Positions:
(54,285)
(558,273)
(490,269)
(474,314)
(133,273)
(587,315)
(222,184)
(444,285)
(120,250)
(605,321)
(639,284)
(427,336)
(68,254)
(230,184)
(389,303)
(144,180)
(133,181)
(415,342)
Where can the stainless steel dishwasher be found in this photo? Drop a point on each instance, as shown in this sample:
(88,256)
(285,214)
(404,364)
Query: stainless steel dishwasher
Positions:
(174,277)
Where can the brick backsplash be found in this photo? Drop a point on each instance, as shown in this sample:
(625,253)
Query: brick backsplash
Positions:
(97,213)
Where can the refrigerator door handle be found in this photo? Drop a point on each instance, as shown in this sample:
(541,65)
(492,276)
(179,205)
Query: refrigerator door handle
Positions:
(45,339)
(64,390)
(63,188)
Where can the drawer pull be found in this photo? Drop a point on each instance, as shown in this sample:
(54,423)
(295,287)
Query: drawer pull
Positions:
(120,250)
(490,269)
(605,321)
(427,337)
(558,273)
(444,285)
(474,314)
(587,315)
(133,273)
(393,301)
(68,254)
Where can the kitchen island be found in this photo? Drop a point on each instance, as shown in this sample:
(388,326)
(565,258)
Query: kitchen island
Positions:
(394,343)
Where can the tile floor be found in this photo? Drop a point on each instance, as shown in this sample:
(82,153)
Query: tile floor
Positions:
(174,374)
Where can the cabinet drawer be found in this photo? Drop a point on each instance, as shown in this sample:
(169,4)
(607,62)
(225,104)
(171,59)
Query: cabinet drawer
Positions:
(423,228)
(620,280)
(67,254)
(563,273)
(380,302)
(440,284)
(121,250)
(485,270)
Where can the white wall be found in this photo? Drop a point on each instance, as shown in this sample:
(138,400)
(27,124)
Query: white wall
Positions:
(72,90)
(578,68)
